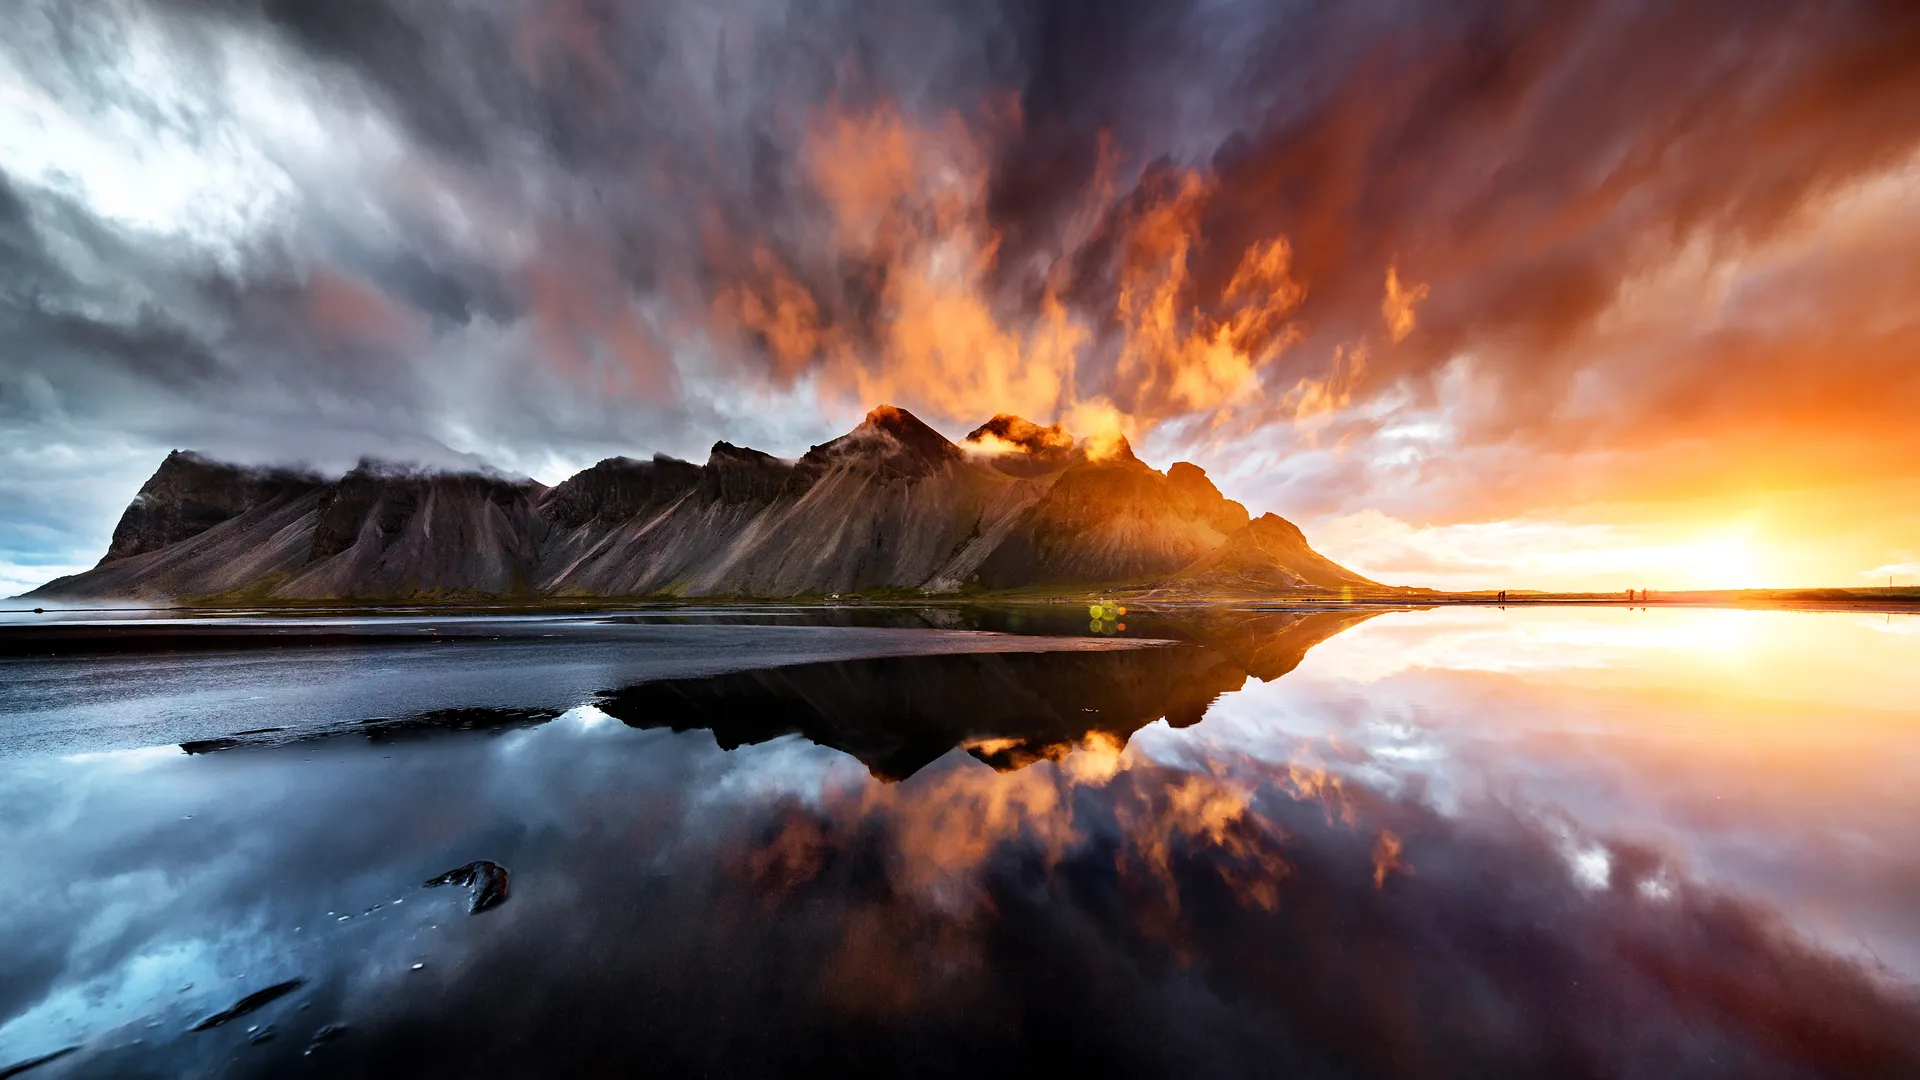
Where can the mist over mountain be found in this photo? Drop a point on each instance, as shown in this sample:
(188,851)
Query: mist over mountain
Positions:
(891,505)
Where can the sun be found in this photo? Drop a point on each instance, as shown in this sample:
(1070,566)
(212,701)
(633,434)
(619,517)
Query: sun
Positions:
(1727,561)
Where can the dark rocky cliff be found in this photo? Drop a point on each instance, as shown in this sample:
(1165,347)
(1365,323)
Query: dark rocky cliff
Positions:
(189,494)
(617,489)
(1112,521)
(739,474)
(387,532)
(890,505)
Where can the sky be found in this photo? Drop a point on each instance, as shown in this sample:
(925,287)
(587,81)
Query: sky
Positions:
(1584,294)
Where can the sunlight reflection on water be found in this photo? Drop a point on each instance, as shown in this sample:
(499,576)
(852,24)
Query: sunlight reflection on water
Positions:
(1601,820)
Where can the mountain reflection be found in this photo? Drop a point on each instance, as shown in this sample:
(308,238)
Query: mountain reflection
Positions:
(1009,710)
(703,896)
(898,715)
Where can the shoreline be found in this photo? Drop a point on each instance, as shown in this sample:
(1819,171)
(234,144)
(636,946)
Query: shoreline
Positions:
(1893,605)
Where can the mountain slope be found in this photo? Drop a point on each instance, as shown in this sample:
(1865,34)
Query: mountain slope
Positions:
(189,494)
(891,505)
(379,533)
(1268,555)
(387,533)
(265,544)
(1114,520)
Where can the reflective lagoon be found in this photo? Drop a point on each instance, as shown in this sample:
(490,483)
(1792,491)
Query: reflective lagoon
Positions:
(1453,842)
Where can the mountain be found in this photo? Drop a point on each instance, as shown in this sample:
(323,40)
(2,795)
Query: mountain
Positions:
(1020,447)
(1267,555)
(387,531)
(899,714)
(189,494)
(896,714)
(891,505)
(1115,521)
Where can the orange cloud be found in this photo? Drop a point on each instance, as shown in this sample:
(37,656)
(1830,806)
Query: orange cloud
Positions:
(590,325)
(353,312)
(909,204)
(779,313)
(1397,308)
(1386,858)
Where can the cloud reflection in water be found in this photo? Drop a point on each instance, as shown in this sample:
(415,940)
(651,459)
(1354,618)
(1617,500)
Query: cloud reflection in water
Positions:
(1430,870)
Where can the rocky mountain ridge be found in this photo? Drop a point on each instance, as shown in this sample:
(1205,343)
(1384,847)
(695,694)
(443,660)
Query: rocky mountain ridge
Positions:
(891,505)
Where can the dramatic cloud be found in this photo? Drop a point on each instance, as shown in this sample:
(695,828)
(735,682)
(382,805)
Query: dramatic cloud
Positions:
(1458,263)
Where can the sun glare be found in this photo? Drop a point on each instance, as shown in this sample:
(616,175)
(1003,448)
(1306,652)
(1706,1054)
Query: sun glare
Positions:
(1724,562)
(1717,561)
(1560,556)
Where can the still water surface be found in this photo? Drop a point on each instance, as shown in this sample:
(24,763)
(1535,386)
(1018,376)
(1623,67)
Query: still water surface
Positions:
(1457,842)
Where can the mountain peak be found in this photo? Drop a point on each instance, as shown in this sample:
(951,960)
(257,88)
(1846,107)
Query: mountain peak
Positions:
(724,451)
(1111,447)
(1006,432)
(1019,447)
(378,468)
(909,430)
(741,474)
(190,493)
(1274,531)
(617,489)
(891,442)
(1270,555)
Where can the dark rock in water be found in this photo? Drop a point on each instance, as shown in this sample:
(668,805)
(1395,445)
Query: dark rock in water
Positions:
(208,746)
(249,1003)
(32,1063)
(384,729)
(464,718)
(487,882)
(326,1034)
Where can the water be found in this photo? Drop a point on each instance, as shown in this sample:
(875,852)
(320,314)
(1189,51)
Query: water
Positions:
(1456,842)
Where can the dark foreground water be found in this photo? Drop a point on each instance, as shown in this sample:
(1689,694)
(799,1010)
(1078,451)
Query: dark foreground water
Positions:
(1464,842)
